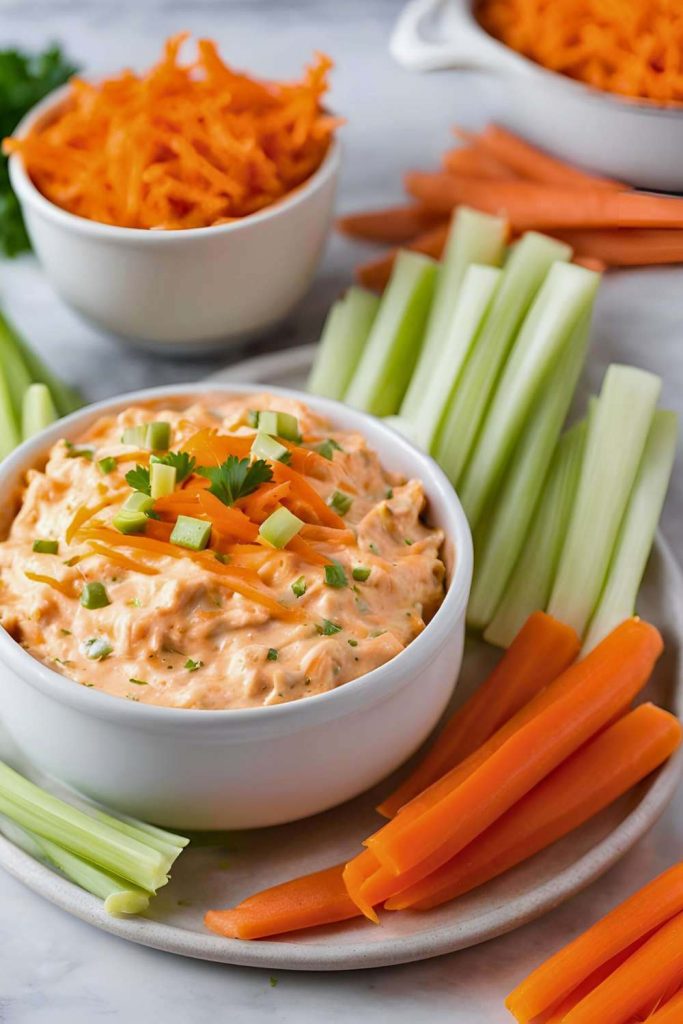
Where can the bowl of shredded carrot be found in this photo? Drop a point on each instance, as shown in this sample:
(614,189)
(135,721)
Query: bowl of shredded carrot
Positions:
(163,204)
(596,82)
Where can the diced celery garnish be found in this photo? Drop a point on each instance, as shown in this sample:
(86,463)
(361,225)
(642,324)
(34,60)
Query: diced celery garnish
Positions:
(474,237)
(340,502)
(158,436)
(134,435)
(191,533)
(501,536)
(46,547)
(38,410)
(614,447)
(390,354)
(279,424)
(94,595)
(162,479)
(456,341)
(562,301)
(528,588)
(107,465)
(618,599)
(280,526)
(132,516)
(266,447)
(97,648)
(522,276)
(343,339)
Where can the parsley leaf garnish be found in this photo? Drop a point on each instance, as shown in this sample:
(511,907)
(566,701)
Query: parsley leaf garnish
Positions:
(138,479)
(182,463)
(236,478)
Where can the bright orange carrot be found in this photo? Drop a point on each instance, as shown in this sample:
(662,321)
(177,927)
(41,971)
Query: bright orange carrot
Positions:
(64,587)
(670,1013)
(648,909)
(475,162)
(231,519)
(594,691)
(591,779)
(393,225)
(306,551)
(590,263)
(328,534)
(302,492)
(316,899)
(118,558)
(260,504)
(83,514)
(542,649)
(627,247)
(375,273)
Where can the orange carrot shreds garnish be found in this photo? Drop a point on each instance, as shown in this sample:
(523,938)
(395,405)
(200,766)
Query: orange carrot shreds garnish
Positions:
(586,697)
(627,247)
(375,273)
(182,145)
(117,558)
(141,456)
(302,490)
(530,205)
(306,902)
(156,530)
(306,551)
(83,514)
(634,919)
(63,586)
(632,49)
(394,226)
(228,519)
(593,778)
(178,503)
(260,504)
(328,535)
(542,649)
(211,448)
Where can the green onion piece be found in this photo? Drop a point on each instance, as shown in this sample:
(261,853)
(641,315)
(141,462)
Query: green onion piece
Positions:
(38,410)
(97,648)
(327,448)
(158,436)
(393,345)
(73,452)
(191,665)
(221,557)
(340,502)
(279,424)
(162,479)
(138,682)
(132,516)
(616,440)
(134,436)
(618,599)
(252,418)
(108,464)
(474,238)
(191,533)
(522,276)
(327,628)
(352,642)
(343,339)
(46,547)
(266,447)
(335,575)
(94,595)
(279,528)
(272,654)
(361,573)
(299,586)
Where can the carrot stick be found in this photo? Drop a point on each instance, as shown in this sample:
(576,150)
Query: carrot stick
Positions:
(648,909)
(316,899)
(591,779)
(670,1013)
(627,247)
(475,162)
(394,225)
(541,650)
(593,691)
(375,273)
(529,162)
(528,205)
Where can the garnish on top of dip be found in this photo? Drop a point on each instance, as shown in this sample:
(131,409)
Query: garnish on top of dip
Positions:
(234,553)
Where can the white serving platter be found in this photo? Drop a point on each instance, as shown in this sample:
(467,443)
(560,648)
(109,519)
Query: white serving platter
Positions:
(212,876)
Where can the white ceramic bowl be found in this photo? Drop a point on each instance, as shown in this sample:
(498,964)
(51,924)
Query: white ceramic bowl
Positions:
(253,767)
(636,141)
(181,291)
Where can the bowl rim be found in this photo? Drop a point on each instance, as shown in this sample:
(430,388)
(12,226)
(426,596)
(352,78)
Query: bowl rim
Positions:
(365,690)
(29,193)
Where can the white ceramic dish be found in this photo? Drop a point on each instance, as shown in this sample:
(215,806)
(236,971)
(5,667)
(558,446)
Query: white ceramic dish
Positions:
(181,291)
(257,766)
(636,141)
(207,877)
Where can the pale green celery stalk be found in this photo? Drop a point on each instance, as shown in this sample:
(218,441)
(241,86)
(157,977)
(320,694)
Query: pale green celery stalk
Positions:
(345,333)
(66,399)
(474,237)
(392,348)
(16,372)
(504,529)
(475,296)
(529,586)
(158,838)
(10,436)
(616,440)
(618,599)
(38,410)
(523,275)
(100,843)
(562,301)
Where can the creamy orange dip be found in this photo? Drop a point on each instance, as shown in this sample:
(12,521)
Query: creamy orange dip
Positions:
(240,623)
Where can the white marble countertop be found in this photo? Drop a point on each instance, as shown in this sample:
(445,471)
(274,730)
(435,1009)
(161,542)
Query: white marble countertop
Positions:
(53,968)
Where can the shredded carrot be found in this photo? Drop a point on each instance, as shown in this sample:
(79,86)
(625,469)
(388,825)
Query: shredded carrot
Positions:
(306,551)
(328,534)
(180,146)
(118,558)
(229,518)
(64,587)
(260,504)
(211,448)
(141,456)
(305,499)
(83,514)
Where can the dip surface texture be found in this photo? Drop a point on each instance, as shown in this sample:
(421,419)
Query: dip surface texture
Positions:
(239,624)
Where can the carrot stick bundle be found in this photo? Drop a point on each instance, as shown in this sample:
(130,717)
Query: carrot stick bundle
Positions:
(670,1013)
(627,247)
(542,649)
(393,225)
(475,162)
(375,273)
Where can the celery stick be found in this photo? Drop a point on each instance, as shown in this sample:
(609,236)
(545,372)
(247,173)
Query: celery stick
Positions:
(165,842)
(615,444)
(342,342)
(502,536)
(562,300)
(528,589)
(475,296)
(66,399)
(38,410)
(392,348)
(10,436)
(618,599)
(474,237)
(523,275)
(16,372)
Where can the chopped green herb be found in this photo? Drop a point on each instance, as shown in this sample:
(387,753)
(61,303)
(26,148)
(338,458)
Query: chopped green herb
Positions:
(191,533)
(327,628)
(299,586)
(94,595)
(72,452)
(97,648)
(328,448)
(138,682)
(361,573)
(134,602)
(108,464)
(220,557)
(352,642)
(272,654)
(335,575)
(46,547)
(340,502)
(139,479)
(65,632)
(408,541)
(280,526)
(389,493)
(272,982)
(279,424)
(191,665)
(266,447)
(236,478)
